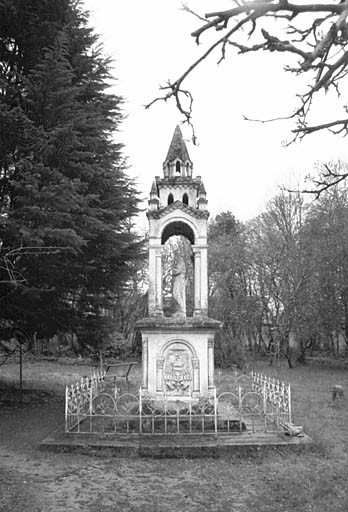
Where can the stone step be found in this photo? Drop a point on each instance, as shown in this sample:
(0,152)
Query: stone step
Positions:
(175,446)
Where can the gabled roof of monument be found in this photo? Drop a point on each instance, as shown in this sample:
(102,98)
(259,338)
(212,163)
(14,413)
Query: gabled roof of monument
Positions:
(177,148)
(177,205)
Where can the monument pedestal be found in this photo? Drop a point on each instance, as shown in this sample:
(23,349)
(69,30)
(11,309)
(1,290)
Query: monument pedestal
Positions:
(178,356)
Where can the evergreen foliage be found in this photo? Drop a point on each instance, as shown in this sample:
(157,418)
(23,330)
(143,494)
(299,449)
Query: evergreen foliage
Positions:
(66,202)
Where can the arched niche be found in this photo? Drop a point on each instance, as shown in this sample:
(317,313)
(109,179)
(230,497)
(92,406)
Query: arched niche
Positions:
(177,228)
(177,248)
(170,199)
(180,341)
(185,198)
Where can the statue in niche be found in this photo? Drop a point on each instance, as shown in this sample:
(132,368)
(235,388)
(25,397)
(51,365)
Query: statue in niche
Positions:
(179,286)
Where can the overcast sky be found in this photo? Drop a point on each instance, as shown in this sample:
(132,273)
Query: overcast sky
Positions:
(241,163)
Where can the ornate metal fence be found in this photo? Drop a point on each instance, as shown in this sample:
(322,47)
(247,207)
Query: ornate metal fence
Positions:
(241,403)
(277,397)
(79,398)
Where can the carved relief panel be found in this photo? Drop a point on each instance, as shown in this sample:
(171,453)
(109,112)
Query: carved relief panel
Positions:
(178,370)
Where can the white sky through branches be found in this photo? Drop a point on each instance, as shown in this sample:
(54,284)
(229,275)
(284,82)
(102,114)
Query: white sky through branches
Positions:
(242,163)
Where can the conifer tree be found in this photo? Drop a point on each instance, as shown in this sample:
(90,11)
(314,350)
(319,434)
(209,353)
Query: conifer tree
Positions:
(65,198)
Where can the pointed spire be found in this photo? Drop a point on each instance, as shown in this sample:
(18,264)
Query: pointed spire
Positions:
(202,200)
(201,190)
(154,199)
(177,148)
(153,189)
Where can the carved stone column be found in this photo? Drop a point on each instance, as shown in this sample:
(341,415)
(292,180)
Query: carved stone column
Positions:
(159,377)
(159,308)
(204,280)
(197,281)
(145,363)
(196,383)
(152,281)
(210,363)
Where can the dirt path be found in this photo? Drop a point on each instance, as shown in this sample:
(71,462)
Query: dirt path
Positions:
(33,480)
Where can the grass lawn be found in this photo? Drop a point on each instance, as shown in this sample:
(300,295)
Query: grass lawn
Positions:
(31,480)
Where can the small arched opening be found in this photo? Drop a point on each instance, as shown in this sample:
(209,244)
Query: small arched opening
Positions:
(177,168)
(170,199)
(185,199)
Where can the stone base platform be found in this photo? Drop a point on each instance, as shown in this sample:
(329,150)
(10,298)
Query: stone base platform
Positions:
(175,446)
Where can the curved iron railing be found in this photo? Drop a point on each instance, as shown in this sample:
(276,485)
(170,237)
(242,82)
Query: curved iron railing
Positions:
(245,403)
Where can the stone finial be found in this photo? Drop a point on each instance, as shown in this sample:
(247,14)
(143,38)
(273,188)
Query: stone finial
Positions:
(153,192)
(154,199)
(202,200)
(201,190)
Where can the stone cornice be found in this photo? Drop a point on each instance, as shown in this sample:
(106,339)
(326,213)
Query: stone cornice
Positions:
(178,323)
(179,181)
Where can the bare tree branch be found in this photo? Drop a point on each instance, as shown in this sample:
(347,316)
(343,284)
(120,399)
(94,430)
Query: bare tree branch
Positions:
(9,259)
(316,32)
(330,175)
(342,123)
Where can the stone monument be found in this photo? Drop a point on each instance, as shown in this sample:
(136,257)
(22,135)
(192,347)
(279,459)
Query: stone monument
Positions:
(178,351)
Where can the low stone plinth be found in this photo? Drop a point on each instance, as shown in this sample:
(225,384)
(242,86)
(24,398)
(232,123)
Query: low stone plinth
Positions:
(175,446)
